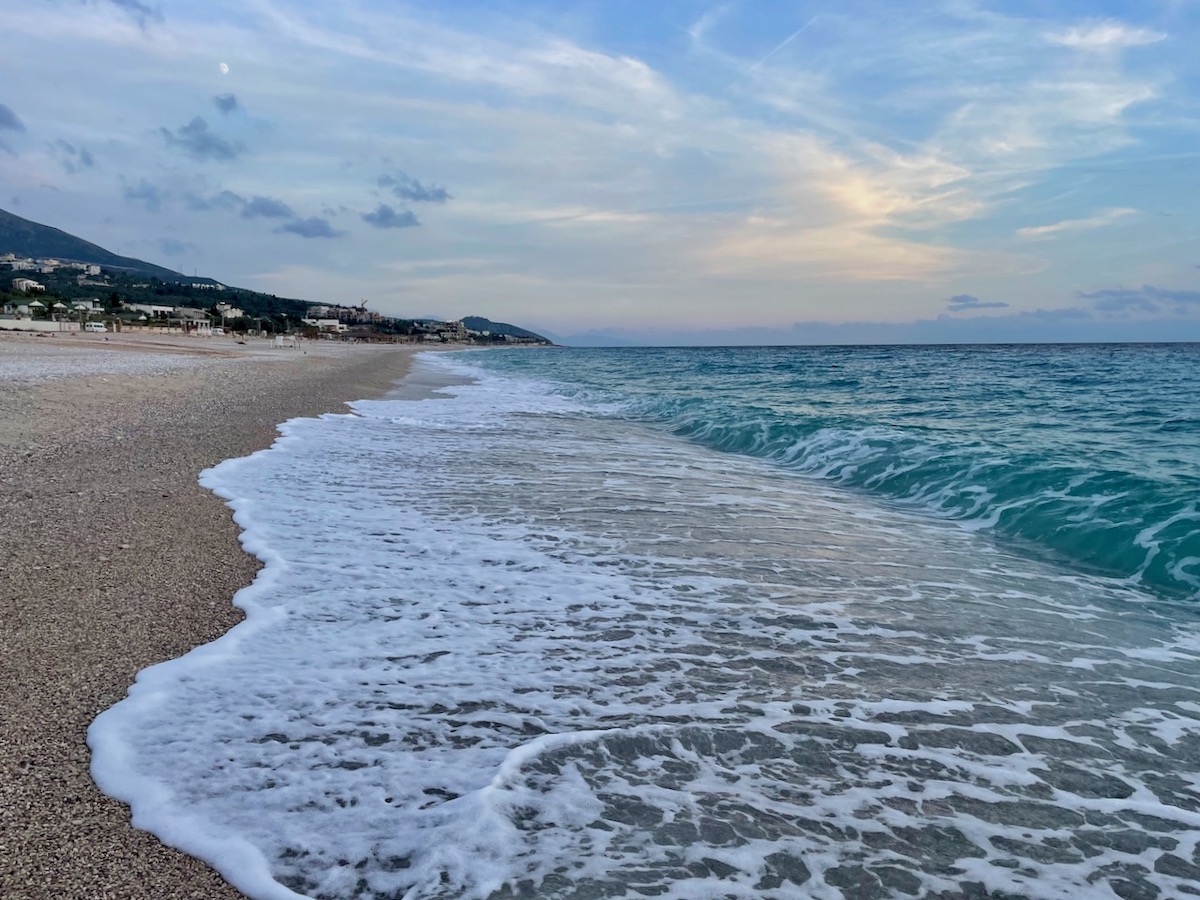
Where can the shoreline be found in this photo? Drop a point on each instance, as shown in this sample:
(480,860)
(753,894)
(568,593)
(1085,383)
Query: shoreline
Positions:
(113,558)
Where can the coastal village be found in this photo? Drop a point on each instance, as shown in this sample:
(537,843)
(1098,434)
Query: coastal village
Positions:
(34,297)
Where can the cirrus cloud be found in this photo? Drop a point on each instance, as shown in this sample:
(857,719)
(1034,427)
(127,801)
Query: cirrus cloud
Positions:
(1106,217)
(1104,34)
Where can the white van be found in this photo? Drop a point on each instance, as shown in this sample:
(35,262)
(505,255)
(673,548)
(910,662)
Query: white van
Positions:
(97,327)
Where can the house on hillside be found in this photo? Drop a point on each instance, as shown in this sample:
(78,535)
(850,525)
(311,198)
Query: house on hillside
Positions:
(326,326)
(27,285)
(151,310)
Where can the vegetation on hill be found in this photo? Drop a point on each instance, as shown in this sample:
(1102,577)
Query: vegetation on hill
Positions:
(25,238)
(127,281)
(479,323)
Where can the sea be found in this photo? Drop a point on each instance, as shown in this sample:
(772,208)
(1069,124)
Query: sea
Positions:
(776,622)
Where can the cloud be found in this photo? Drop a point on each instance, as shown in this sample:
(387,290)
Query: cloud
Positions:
(200,143)
(265,208)
(140,12)
(226,103)
(9,120)
(960,302)
(1147,298)
(312,227)
(1104,34)
(145,193)
(386,217)
(220,200)
(73,158)
(1106,217)
(408,188)
(175,247)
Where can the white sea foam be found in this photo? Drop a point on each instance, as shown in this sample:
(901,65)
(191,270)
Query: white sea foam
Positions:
(501,647)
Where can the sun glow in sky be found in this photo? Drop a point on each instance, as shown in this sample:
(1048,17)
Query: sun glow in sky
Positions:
(668,171)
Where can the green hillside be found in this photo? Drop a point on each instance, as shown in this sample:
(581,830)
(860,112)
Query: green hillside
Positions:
(127,281)
(25,238)
(479,323)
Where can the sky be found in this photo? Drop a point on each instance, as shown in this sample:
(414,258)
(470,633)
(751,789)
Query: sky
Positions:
(658,171)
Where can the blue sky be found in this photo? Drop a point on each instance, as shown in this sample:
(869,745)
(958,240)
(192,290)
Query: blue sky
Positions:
(668,171)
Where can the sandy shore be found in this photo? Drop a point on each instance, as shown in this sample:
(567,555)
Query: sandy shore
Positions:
(112,558)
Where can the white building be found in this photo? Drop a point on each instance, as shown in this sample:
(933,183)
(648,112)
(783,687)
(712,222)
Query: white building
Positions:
(230,312)
(331,326)
(151,309)
(27,285)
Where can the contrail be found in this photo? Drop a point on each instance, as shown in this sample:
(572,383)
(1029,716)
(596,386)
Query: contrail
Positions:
(791,37)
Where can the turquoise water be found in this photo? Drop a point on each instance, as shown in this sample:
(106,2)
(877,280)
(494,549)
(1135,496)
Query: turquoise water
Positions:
(1084,454)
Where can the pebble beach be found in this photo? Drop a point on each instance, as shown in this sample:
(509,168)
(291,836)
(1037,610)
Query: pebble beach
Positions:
(113,558)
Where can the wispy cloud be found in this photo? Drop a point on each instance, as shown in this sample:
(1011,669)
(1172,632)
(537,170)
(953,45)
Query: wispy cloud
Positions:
(199,142)
(1104,34)
(758,64)
(1101,219)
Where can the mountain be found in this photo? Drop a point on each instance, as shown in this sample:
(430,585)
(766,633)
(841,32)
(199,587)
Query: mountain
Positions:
(25,238)
(479,323)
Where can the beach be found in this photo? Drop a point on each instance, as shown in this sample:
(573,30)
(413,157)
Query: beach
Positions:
(113,558)
(742,622)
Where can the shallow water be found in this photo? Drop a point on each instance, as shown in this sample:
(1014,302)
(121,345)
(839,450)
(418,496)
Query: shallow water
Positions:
(528,642)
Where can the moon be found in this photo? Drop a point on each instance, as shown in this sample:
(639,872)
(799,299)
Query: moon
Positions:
(224,67)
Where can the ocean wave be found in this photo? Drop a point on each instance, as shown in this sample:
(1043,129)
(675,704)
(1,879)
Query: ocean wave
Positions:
(1107,521)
